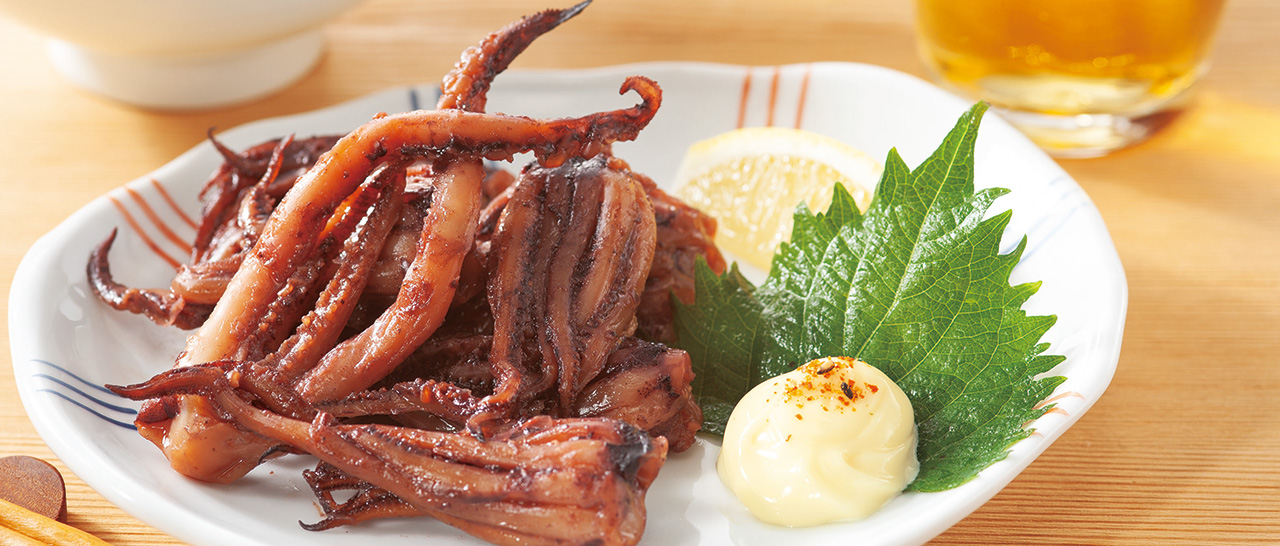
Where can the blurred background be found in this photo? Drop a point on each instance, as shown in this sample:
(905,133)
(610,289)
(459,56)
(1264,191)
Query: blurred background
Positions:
(1192,212)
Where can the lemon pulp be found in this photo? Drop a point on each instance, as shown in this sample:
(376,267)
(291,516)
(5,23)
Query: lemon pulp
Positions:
(751,180)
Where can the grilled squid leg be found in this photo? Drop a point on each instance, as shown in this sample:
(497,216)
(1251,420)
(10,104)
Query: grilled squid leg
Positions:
(164,308)
(592,308)
(366,501)
(225,232)
(288,238)
(448,232)
(645,384)
(198,443)
(536,481)
(447,237)
(684,235)
(466,87)
(194,440)
(216,238)
(347,276)
(195,289)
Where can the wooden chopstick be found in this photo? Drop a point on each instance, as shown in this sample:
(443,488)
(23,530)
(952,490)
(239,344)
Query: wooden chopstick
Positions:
(9,537)
(16,520)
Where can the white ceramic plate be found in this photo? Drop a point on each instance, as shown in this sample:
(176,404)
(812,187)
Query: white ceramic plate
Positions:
(61,335)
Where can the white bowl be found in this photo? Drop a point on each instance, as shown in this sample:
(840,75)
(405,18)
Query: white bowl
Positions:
(180,53)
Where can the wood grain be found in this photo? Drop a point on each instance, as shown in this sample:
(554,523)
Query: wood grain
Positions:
(33,484)
(1183,449)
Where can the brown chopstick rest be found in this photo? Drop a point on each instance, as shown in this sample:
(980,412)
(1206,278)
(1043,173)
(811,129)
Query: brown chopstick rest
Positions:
(35,485)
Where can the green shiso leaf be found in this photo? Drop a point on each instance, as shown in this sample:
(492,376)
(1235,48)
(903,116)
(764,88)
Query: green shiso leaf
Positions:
(721,333)
(916,287)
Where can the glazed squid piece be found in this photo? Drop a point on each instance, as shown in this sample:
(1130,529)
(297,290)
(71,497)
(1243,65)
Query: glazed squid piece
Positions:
(235,203)
(201,445)
(271,167)
(567,268)
(162,307)
(571,253)
(282,259)
(644,385)
(647,385)
(448,340)
(535,481)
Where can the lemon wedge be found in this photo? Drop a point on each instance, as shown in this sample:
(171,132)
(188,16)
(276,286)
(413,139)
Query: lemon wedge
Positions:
(751,180)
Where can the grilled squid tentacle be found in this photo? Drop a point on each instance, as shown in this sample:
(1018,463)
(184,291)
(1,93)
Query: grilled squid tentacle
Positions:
(536,481)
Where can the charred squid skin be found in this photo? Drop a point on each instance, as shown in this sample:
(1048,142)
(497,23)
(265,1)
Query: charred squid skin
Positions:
(531,235)
(600,503)
(645,384)
(629,456)
(576,282)
(516,292)
(607,293)
(557,336)
(683,234)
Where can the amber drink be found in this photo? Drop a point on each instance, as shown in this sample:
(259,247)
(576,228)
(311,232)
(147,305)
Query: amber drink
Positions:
(1081,77)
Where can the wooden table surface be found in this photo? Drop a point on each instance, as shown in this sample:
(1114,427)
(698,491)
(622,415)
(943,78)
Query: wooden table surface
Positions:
(1184,448)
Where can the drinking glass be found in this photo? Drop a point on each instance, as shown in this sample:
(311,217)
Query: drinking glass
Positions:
(1080,77)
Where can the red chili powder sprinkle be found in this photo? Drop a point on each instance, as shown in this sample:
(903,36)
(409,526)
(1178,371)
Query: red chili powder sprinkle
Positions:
(818,384)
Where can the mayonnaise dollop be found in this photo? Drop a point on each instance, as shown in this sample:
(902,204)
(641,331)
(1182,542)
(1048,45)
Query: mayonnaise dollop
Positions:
(832,440)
